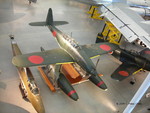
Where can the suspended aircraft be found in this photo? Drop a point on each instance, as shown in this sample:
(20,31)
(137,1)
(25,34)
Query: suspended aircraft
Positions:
(69,52)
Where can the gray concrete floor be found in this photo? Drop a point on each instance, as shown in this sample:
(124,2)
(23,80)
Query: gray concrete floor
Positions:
(14,18)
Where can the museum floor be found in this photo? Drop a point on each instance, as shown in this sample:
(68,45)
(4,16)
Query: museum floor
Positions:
(14,18)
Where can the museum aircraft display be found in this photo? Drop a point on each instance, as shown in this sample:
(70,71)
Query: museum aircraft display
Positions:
(132,61)
(28,87)
(132,26)
(69,52)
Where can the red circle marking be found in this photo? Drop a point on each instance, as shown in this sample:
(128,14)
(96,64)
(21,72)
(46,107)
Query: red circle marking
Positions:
(100,83)
(35,59)
(147,52)
(54,33)
(123,73)
(105,47)
(71,92)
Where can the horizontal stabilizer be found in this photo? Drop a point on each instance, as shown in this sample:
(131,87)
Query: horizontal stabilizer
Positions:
(37,24)
(55,23)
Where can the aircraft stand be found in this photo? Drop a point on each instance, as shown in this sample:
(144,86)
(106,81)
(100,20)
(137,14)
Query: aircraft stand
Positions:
(95,13)
(46,79)
(75,76)
(109,33)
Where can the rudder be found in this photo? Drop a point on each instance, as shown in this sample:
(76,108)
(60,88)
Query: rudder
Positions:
(49,19)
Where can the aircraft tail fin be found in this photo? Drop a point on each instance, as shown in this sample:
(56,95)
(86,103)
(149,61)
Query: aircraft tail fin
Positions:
(49,21)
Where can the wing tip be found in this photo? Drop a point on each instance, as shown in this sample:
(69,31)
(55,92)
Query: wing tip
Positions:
(116,78)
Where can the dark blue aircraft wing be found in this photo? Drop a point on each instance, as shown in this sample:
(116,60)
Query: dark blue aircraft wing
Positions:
(123,71)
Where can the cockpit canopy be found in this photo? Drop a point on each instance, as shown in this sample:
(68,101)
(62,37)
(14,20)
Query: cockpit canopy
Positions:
(71,41)
(33,88)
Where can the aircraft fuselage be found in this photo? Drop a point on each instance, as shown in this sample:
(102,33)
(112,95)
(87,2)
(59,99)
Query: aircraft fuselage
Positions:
(74,50)
(132,58)
(28,84)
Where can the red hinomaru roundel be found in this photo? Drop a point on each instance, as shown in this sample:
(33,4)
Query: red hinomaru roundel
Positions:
(123,73)
(35,59)
(105,47)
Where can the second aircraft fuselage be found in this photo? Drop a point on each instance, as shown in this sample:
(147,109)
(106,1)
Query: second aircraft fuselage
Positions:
(74,50)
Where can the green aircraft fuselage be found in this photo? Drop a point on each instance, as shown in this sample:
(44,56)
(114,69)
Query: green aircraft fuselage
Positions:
(74,50)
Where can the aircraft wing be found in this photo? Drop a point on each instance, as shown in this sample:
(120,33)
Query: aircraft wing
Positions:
(123,71)
(55,56)
(127,22)
(145,53)
(94,50)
